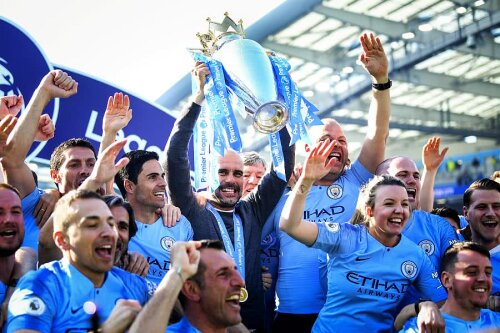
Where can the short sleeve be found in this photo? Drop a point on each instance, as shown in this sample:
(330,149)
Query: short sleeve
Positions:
(31,306)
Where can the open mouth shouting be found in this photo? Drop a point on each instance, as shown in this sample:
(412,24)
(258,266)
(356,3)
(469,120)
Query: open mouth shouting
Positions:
(105,251)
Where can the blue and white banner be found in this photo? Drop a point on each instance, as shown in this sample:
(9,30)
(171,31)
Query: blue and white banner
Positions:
(23,64)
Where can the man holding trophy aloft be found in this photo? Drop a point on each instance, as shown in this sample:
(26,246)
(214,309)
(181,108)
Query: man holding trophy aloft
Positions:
(223,214)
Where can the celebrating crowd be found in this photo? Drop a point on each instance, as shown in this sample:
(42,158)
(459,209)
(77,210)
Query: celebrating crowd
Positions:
(338,245)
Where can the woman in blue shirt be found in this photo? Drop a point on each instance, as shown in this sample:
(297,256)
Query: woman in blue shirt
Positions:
(371,264)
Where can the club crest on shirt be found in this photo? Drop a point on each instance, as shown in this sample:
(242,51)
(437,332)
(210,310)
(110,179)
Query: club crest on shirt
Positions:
(269,239)
(409,269)
(167,243)
(427,246)
(334,191)
(24,302)
(332,227)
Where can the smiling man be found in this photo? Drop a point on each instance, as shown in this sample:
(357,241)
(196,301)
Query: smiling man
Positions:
(482,212)
(63,295)
(142,183)
(225,214)
(211,297)
(467,278)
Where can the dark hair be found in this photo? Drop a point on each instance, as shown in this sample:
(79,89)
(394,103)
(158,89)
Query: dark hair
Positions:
(132,170)
(481,184)
(116,201)
(368,193)
(252,158)
(57,157)
(198,277)
(447,212)
(451,253)
(11,188)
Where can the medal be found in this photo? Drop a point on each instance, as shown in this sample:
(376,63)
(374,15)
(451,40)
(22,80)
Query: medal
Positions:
(243,295)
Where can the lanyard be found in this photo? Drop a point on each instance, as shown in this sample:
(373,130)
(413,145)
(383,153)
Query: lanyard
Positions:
(237,252)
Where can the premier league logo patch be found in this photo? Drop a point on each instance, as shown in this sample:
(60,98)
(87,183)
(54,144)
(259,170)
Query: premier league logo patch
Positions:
(332,227)
(24,302)
(409,269)
(167,243)
(334,191)
(427,246)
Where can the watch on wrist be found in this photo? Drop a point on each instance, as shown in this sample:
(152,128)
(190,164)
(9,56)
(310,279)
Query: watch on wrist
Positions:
(382,86)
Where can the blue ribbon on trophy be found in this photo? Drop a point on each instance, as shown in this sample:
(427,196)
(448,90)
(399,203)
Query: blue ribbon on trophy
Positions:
(246,79)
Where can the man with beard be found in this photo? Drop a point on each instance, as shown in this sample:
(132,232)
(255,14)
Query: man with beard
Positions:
(75,161)
(431,232)
(12,265)
(70,294)
(224,215)
(466,275)
(142,183)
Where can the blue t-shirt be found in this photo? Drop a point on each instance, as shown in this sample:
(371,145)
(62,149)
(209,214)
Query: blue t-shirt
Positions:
(56,298)
(31,231)
(487,319)
(434,235)
(299,265)
(155,241)
(366,280)
(182,326)
(495,263)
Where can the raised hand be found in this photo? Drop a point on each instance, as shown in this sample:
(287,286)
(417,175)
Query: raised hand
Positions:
(200,72)
(10,105)
(186,256)
(105,168)
(118,113)
(317,164)
(58,84)
(7,124)
(46,128)
(431,157)
(373,58)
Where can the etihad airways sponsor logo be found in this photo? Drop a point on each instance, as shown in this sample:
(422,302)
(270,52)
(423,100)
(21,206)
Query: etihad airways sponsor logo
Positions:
(324,214)
(393,290)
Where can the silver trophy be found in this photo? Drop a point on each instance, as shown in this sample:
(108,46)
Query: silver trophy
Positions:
(249,67)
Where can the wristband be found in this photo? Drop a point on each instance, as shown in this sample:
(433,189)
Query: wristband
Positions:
(417,305)
(382,86)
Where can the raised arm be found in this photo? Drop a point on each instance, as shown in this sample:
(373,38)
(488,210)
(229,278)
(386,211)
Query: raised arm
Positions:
(177,161)
(432,159)
(375,62)
(55,84)
(116,117)
(105,168)
(156,314)
(315,167)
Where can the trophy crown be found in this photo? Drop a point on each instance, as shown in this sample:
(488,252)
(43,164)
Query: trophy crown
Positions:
(217,31)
